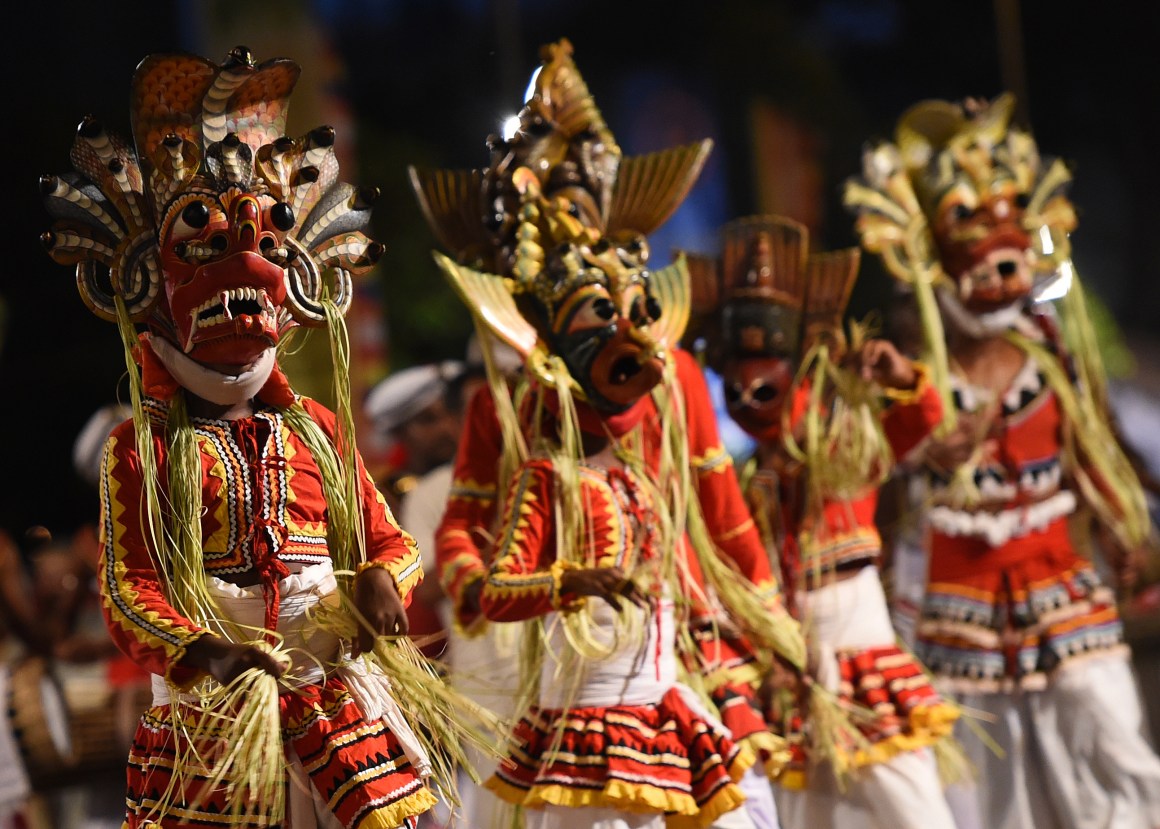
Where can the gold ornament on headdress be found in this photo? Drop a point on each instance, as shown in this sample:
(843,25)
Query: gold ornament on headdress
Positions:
(633,195)
(586,258)
(939,146)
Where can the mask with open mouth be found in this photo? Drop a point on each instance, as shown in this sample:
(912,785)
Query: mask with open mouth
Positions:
(599,328)
(213,230)
(964,199)
(582,303)
(763,302)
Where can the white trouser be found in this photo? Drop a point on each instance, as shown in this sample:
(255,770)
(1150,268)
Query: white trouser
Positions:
(484,668)
(1076,755)
(567,817)
(904,793)
(759,805)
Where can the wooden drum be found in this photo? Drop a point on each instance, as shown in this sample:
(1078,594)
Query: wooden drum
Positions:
(39,716)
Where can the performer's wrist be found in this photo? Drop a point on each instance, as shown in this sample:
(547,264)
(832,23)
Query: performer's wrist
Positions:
(563,600)
(379,564)
(917,387)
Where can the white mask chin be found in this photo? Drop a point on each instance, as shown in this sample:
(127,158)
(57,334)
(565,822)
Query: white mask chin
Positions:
(979,326)
(223,389)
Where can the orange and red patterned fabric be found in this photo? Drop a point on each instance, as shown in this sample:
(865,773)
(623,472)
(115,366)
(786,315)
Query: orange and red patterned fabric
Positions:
(1009,598)
(657,756)
(470,519)
(907,712)
(356,766)
(264,510)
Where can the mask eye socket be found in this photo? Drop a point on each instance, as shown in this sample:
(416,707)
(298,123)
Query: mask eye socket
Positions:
(765,393)
(192,216)
(958,204)
(737,396)
(589,309)
(645,310)
(961,212)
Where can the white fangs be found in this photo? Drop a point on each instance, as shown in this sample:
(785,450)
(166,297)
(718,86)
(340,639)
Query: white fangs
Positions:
(222,301)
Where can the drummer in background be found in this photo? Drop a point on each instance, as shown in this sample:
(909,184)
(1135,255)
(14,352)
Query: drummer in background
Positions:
(49,609)
(18,804)
(89,639)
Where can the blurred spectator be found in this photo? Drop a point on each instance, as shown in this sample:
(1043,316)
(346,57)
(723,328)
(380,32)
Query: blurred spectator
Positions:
(411,409)
(70,705)
(418,409)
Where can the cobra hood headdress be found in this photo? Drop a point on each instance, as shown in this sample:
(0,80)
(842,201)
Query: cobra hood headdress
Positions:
(213,229)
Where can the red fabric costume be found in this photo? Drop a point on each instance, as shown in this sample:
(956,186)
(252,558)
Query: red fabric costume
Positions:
(465,536)
(908,712)
(1010,559)
(264,511)
(656,755)
(466,529)
(772,311)
(223,540)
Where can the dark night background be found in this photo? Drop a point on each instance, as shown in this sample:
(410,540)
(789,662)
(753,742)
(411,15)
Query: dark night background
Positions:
(424,82)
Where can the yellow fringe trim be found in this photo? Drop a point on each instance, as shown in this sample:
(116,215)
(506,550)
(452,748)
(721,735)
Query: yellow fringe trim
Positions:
(392,817)
(773,747)
(927,726)
(725,800)
(745,760)
(639,798)
(911,396)
(793,779)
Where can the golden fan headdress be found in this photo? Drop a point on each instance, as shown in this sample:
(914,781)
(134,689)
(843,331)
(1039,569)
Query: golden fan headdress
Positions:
(564,140)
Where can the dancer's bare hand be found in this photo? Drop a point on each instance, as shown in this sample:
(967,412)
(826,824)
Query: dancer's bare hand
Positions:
(470,601)
(608,583)
(878,361)
(379,603)
(225,661)
(782,680)
(1128,566)
(948,452)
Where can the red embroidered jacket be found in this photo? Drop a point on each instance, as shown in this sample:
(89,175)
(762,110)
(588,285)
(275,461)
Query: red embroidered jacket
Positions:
(618,533)
(846,532)
(263,506)
(465,533)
